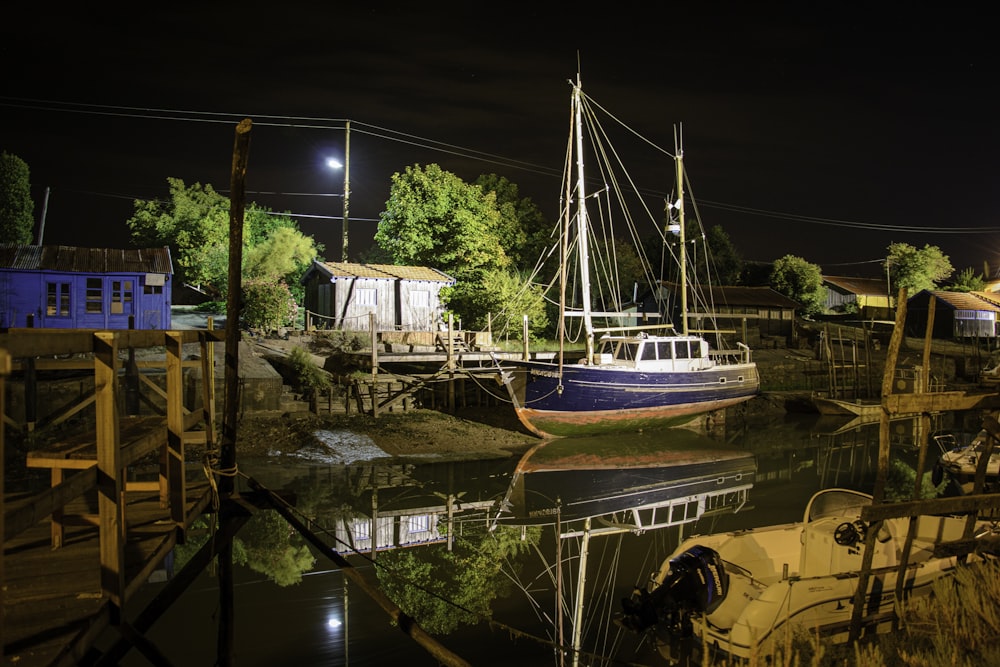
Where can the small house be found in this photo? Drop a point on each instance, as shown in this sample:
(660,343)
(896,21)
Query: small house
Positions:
(957,315)
(752,313)
(867,297)
(344,295)
(66,287)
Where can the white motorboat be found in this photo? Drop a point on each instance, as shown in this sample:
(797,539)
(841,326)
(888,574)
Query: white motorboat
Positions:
(960,462)
(742,592)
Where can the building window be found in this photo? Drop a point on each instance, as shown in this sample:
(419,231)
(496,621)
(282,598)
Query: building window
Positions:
(366,296)
(121,297)
(420,524)
(152,289)
(420,299)
(58,300)
(95,295)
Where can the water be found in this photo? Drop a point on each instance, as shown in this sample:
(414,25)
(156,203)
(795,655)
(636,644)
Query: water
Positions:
(328,620)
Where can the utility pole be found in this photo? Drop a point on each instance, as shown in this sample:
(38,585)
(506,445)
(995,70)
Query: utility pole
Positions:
(347,187)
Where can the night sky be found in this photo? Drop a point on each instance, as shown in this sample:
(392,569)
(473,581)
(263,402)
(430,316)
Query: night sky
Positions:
(825,131)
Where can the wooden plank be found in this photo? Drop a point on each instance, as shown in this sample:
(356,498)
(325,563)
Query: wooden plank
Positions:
(950,505)
(939,401)
(30,511)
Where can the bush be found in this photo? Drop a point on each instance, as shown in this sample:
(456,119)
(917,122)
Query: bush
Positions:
(267,305)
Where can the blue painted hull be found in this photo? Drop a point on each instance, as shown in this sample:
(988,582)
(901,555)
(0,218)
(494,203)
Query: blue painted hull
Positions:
(589,400)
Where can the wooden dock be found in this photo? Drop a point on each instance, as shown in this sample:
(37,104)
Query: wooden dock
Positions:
(76,552)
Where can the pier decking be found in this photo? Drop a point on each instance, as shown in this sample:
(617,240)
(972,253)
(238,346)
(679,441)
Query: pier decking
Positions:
(74,553)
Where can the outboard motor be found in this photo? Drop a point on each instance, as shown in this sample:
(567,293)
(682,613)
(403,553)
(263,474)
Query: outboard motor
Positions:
(696,582)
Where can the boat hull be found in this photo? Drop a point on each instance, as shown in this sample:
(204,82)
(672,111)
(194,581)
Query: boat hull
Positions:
(559,480)
(832,406)
(589,400)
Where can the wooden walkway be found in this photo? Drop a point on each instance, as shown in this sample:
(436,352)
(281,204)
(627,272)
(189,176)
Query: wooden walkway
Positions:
(75,553)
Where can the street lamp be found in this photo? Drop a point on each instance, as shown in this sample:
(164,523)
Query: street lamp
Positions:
(335,164)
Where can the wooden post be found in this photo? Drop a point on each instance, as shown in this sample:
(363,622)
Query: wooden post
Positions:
(110,486)
(451,364)
(883,465)
(176,486)
(4,372)
(208,388)
(372,390)
(525,355)
(227,452)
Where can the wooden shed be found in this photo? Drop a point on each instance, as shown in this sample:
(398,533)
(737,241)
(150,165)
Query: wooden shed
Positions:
(957,315)
(67,287)
(868,297)
(762,311)
(343,295)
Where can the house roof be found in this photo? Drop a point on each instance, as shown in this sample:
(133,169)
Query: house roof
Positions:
(859,286)
(85,260)
(984,301)
(743,296)
(382,272)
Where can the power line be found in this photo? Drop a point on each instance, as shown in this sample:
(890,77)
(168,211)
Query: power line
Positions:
(308,122)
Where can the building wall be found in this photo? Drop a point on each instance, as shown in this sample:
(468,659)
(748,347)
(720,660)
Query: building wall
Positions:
(70,300)
(347,303)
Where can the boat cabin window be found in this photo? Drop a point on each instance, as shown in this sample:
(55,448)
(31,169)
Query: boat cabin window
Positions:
(649,352)
(681,346)
(621,350)
(666,349)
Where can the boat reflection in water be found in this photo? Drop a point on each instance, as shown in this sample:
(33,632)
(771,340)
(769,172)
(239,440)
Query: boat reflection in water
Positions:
(661,479)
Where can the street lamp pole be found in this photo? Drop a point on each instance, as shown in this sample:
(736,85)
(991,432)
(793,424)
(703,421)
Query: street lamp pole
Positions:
(347,187)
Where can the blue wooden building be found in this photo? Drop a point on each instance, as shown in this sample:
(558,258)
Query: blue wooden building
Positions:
(65,287)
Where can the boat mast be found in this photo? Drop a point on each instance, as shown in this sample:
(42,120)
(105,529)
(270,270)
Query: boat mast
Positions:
(581,220)
(679,161)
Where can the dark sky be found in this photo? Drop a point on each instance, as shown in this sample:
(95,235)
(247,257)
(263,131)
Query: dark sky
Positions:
(826,131)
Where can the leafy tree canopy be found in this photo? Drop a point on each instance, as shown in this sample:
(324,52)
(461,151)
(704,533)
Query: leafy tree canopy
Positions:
(801,281)
(968,281)
(445,589)
(524,232)
(17,209)
(917,269)
(433,218)
(194,223)
(500,300)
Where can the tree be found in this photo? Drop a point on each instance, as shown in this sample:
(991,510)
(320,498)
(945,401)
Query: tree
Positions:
(17,209)
(506,297)
(722,257)
(915,269)
(444,589)
(968,281)
(524,232)
(194,224)
(285,254)
(433,218)
(800,281)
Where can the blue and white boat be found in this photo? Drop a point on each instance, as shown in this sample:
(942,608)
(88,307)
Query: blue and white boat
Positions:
(629,377)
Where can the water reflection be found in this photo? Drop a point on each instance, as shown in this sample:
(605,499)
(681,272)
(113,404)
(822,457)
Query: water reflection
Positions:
(565,590)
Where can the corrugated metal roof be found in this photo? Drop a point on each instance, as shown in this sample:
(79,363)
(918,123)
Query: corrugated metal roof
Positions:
(968,300)
(85,260)
(859,286)
(383,272)
(743,296)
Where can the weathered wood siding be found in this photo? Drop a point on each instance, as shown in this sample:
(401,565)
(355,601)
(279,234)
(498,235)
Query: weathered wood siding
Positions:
(344,296)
